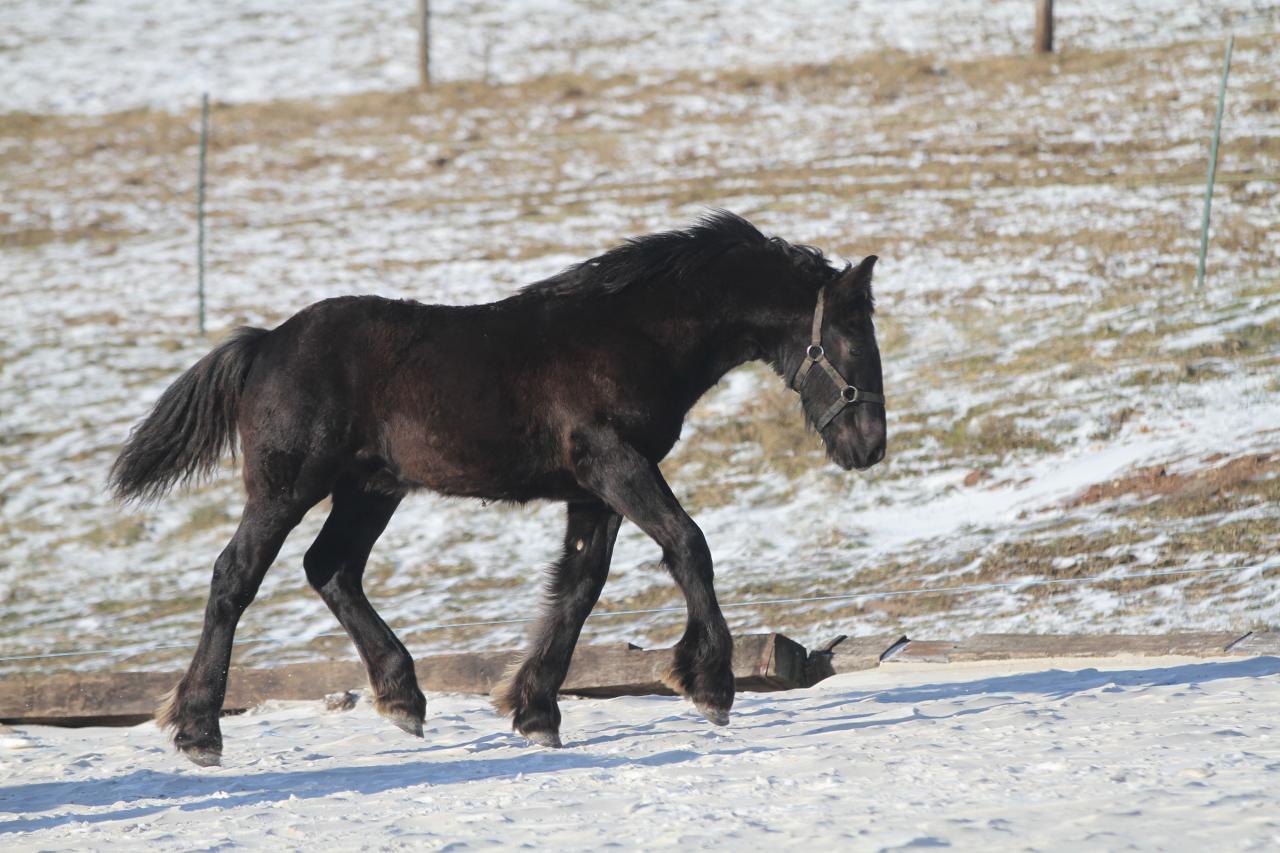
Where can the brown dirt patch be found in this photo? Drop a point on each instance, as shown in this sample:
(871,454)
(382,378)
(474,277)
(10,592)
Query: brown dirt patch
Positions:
(1217,481)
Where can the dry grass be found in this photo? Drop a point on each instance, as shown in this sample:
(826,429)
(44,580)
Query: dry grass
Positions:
(905,130)
(472,132)
(1237,484)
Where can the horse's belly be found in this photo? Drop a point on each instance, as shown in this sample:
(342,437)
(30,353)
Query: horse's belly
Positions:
(479,468)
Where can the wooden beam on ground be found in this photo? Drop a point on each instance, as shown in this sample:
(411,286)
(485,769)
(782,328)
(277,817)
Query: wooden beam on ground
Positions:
(982,647)
(849,654)
(921,651)
(129,698)
(761,662)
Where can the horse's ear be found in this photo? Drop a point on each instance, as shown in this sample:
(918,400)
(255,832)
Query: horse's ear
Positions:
(862,272)
(855,283)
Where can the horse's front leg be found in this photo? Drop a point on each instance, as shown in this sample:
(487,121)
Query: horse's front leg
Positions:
(632,485)
(528,693)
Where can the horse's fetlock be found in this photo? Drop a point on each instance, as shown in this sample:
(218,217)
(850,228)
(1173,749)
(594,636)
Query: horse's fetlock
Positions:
(719,642)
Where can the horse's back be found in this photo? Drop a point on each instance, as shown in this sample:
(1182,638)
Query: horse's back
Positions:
(431,396)
(477,400)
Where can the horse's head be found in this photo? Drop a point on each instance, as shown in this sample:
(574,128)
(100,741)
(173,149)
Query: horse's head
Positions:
(838,374)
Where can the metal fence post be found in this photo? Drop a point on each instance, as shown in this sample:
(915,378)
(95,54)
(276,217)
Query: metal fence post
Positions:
(1213,164)
(204,145)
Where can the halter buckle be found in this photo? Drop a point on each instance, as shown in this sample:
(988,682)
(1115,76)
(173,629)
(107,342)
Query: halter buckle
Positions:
(849,394)
(815,352)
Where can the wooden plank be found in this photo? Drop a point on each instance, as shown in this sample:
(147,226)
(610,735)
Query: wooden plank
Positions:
(469,672)
(767,662)
(127,698)
(761,662)
(1257,643)
(858,653)
(1023,646)
(73,696)
(920,651)
(849,654)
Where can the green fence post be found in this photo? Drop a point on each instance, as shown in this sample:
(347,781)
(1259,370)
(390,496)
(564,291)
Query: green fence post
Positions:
(204,144)
(1213,165)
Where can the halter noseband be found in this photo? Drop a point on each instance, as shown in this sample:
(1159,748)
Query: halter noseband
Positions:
(815,354)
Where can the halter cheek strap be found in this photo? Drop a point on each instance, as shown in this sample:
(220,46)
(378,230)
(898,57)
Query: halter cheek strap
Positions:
(815,354)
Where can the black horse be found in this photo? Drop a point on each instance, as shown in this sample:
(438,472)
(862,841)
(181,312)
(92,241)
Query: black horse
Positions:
(571,390)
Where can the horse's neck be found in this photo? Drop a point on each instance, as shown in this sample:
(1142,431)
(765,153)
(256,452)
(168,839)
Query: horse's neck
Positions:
(715,335)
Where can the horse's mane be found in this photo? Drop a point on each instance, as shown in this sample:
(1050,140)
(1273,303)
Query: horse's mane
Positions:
(678,254)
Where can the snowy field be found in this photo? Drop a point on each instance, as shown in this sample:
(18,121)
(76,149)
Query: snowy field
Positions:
(1063,406)
(1150,754)
(131,53)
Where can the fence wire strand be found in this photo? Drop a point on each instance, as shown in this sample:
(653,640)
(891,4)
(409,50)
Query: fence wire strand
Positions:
(1025,583)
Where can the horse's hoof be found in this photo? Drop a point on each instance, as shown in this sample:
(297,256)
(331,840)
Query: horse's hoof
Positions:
(715,716)
(406,723)
(203,756)
(544,738)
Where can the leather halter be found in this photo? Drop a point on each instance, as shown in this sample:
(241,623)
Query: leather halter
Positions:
(815,354)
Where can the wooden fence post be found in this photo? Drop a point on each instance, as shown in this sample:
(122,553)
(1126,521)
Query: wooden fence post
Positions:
(1044,26)
(424,44)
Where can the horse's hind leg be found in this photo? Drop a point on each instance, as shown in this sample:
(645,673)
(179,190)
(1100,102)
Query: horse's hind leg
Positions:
(192,708)
(529,693)
(335,566)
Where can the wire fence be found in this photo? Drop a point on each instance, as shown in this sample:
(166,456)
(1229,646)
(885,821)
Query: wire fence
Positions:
(1025,583)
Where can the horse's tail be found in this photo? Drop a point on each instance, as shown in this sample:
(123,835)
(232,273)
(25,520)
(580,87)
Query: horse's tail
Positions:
(192,424)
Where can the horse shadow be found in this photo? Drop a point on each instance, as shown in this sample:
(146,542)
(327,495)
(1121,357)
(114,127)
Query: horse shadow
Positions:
(1055,684)
(229,791)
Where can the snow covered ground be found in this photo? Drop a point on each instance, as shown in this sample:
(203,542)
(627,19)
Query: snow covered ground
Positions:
(1062,407)
(1142,754)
